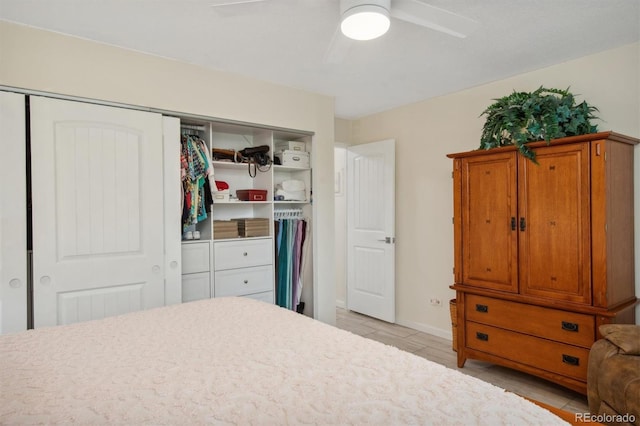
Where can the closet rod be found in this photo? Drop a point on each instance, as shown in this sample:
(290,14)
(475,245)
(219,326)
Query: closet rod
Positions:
(193,127)
(288,214)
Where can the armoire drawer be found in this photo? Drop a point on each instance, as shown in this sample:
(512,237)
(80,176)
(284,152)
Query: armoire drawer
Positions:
(195,257)
(240,282)
(555,357)
(242,254)
(553,324)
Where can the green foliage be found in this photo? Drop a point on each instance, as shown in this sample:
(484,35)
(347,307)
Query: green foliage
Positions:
(544,114)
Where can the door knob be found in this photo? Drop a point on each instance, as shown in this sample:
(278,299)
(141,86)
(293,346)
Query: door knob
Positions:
(388,240)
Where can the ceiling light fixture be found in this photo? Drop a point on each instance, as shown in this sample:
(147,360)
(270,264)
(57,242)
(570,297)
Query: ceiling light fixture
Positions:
(365,19)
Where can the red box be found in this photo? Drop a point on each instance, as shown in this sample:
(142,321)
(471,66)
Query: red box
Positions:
(252,194)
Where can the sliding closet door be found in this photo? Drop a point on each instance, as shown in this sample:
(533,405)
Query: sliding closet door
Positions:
(98,221)
(13,216)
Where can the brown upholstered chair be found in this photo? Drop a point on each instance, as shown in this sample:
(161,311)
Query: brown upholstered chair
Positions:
(613,381)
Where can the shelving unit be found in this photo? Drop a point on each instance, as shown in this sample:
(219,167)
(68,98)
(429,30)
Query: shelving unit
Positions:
(252,273)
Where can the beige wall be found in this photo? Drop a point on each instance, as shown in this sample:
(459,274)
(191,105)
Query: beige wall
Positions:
(426,131)
(343,130)
(45,61)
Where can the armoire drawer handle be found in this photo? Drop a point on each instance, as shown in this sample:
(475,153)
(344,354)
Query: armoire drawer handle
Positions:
(482,308)
(482,336)
(571,360)
(246,281)
(245,254)
(569,326)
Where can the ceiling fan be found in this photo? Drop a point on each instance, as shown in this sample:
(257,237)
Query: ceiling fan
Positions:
(369,19)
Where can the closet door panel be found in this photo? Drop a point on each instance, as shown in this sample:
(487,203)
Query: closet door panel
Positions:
(98,208)
(172,211)
(13,216)
(489,210)
(555,247)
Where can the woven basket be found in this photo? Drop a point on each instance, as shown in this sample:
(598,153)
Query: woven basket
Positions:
(454,323)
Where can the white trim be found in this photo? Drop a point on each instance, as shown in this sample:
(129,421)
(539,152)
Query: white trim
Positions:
(166,112)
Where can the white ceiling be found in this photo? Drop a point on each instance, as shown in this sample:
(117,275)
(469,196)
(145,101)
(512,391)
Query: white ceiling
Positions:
(286,41)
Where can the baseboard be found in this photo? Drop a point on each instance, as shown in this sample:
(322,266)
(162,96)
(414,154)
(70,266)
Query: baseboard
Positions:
(445,334)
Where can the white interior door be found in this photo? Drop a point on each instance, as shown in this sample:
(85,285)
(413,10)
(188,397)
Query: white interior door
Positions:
(371,229)
(13,215)
(98,226)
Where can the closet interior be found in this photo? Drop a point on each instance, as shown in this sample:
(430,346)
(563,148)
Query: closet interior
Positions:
(246,210)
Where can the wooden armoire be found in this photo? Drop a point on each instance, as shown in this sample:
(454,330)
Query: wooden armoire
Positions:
(544,253)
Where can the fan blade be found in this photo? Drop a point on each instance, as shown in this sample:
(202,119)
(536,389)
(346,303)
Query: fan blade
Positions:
(338,49)
(432,17)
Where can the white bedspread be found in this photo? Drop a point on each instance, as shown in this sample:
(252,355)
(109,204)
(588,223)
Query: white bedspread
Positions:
(235,361)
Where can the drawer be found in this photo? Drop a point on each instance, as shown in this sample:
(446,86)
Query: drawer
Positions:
(241,254)
(196,286)
(263,297)
(553,324)
(240,282)
(195,257)
(554,357)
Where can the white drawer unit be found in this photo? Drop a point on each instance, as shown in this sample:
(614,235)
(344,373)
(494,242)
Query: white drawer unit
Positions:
(195,257)
(244,281)
(196,270)
(196,286)
(243,254)
(267,296)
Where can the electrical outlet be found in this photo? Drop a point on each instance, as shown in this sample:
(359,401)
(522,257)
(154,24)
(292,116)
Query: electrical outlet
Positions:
(436,302)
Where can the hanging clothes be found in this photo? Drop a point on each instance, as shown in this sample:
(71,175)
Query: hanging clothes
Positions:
(291,235)
(196,174)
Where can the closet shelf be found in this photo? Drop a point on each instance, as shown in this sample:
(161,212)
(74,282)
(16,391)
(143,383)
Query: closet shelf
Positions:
(291,202)
(237,203)
(290,169)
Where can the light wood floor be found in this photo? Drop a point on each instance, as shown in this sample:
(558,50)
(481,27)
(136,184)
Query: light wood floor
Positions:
(439,350)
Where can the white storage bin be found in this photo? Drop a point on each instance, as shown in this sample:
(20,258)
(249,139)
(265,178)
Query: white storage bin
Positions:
(294,159)
(221,196)
(291,146)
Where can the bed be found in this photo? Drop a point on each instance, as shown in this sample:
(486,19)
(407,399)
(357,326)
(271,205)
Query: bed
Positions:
(235,361)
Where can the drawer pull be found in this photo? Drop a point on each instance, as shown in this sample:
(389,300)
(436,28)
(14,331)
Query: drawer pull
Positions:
(245,254)
(246,281)
(570,326)
(571,360)
(482,336)
(482,308)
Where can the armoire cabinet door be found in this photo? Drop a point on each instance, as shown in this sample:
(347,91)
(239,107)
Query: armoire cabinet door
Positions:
(13,215)
(489,210)
(554,205)
(98,213)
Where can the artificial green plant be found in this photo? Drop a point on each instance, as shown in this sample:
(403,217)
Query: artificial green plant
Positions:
(543,114)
